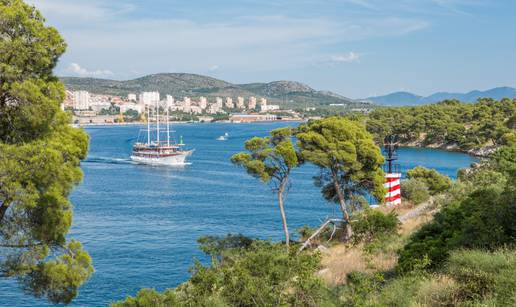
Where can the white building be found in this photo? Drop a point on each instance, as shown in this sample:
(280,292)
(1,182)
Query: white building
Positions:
(99,106)
(229,103)
(271,107)
(263,101)
(240,103)
(219,102)
(203,102)
(170,100)
(81,100)
(131,106)
(195,109)
(147,98)
(187,101)
(214,108)
(252,103)
(131,97)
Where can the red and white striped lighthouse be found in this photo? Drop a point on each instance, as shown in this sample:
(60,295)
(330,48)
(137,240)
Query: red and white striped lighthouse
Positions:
(392,185)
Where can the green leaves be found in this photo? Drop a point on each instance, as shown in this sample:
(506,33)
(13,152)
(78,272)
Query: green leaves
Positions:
(39,160)
(59,279)
(435,182)
(269,158)
(346,153)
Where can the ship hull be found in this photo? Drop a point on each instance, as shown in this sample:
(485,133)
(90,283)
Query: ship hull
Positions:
(176,159)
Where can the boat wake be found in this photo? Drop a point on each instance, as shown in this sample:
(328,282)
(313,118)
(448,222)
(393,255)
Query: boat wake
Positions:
(107,160)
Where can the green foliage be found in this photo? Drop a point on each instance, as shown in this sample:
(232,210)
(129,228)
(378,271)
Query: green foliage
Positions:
(468,278)
(484,219)
(216,246)
(112,110)
(347,156)
(448,123)
(415,190)
(359,288)
(60,278)
(370,225)
(270,157)
(436,182)
(259,274)
(485,275)
(39,160)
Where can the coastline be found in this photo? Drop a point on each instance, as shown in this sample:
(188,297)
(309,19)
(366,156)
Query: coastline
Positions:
(183,122)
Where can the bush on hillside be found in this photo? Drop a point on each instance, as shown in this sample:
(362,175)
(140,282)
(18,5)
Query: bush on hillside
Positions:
(415,190)
(370,224)
(484,275)
(468,278)
(259,274)
(436,182)
(485,219)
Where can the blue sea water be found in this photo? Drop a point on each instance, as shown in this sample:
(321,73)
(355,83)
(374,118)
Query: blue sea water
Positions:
(140,223)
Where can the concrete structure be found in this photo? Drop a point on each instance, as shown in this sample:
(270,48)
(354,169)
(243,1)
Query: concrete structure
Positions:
(147,98)
(203,102)
(271,107)
(229,103)
(132,106)
(187,101)
(249,118)
(214,108)
(195,110)
(99,106)
(240,103)
(219,103)
(263,101)
(252,103)
(169,100)
(81,100)
(131,97)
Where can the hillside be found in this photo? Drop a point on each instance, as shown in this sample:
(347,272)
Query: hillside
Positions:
(408,99)
(287,93)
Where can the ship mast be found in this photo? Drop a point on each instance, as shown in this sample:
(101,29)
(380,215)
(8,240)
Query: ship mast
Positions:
(157,121)
(168,127)
(148,125)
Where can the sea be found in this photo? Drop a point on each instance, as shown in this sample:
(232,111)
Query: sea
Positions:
(140,223)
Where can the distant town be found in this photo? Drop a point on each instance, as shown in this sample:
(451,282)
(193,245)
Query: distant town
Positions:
(90,108)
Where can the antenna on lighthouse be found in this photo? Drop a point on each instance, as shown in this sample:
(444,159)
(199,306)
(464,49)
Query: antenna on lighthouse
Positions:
(390,148)
(393,175)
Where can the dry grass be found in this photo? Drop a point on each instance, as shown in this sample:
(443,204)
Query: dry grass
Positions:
(340,260)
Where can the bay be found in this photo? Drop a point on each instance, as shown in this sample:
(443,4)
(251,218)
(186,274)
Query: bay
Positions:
(140,223)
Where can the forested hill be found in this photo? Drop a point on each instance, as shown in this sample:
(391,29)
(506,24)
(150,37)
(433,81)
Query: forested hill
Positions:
(288,93)
(478,128)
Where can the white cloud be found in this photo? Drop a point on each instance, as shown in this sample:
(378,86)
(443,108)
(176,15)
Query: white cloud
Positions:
(76,69)
(105,33)
(349,57)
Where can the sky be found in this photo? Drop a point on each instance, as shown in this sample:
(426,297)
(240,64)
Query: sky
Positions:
(357,48)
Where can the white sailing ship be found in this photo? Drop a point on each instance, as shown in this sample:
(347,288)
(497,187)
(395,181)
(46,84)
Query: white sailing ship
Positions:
(159,151)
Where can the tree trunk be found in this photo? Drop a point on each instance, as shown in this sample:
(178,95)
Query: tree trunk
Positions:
(342,204)
(3,209)
(283,216)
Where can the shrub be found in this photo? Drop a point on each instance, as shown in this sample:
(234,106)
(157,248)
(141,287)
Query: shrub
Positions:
(258,274)
(485,219)
(435,181)
(483,275)
(415,191)
(371,224)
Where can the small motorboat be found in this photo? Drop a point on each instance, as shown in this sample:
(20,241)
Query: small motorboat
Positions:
(223,137)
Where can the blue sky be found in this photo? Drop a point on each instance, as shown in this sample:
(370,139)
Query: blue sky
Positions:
(357,48)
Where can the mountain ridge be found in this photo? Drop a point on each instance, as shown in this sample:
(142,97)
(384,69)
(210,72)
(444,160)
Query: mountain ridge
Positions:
(406,98)
(283,92)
